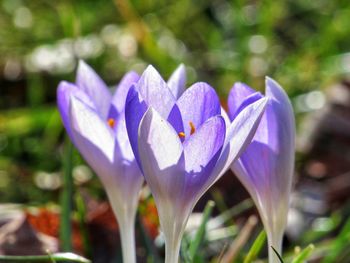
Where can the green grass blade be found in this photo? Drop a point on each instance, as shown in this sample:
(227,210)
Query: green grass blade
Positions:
(195,243)
(341,243)
(147,240)
(81,214)
(67,199)
(57,257)
(304,254)
(256,247)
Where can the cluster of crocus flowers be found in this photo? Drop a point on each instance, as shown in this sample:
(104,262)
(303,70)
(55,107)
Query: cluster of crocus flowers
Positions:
(266,167)
(180,140)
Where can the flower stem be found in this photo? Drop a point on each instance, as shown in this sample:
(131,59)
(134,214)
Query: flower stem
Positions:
(172,249)
(127,236)
(276,243)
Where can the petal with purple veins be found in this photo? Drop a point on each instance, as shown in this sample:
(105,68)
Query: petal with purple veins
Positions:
(155,92)
(135,108)
(65,91)
(119,97)
(93,138)
(202,150)
(177,81)
(95,88)
(161,155)
(240,134)
(238,94)
(197,104)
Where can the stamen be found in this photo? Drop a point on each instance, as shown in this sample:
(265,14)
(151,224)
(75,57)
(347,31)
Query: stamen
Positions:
(181,134)
(193,128)
(111,122)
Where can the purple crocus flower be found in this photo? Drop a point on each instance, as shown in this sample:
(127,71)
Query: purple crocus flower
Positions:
(95,122)
(266,167)
(182,146)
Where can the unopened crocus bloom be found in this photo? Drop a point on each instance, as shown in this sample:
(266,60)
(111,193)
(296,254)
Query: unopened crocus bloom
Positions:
(182,146)
(266,167)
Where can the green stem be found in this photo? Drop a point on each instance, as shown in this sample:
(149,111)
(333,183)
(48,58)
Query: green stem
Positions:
(66,200)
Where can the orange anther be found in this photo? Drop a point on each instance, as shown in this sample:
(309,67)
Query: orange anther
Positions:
(181,134)
(111,122)
(193,128)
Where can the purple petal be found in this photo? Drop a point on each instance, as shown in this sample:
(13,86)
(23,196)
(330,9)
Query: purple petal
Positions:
(65,91)
(240,134)
(283,110)
(281,134)
(175,120)
(238,94)
(119,97)
(202,150)
(155,92)
(248,100)
(93,138)
(95,88)
(122,138)
(200,147)
(197,104)
(161,155)
(256,161)
(135,108)
(177,81)
(96,142)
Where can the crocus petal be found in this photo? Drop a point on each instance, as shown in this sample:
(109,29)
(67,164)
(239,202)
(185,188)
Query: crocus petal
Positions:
(95,88)
(247,101)
(119,97)
(65,91)
(177,81)
(93,138)
(175,119)
(202,150)
(135,108)
(240,134)
(226,117)
(123,139)
(161,154)
(200,147)
(238,94)
(283,109)
(197,104)
(282,125)
(155,92)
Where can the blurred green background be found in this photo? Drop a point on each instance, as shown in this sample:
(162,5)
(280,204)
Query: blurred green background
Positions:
(304,45)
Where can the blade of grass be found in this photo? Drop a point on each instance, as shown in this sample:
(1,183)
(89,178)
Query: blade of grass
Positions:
(278,255)
(339,244)
(304,254)
(229,214)
(58,257)
(66,200)
(81,213)
(240,241)
(195,243)
(151,250)
(256,247)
